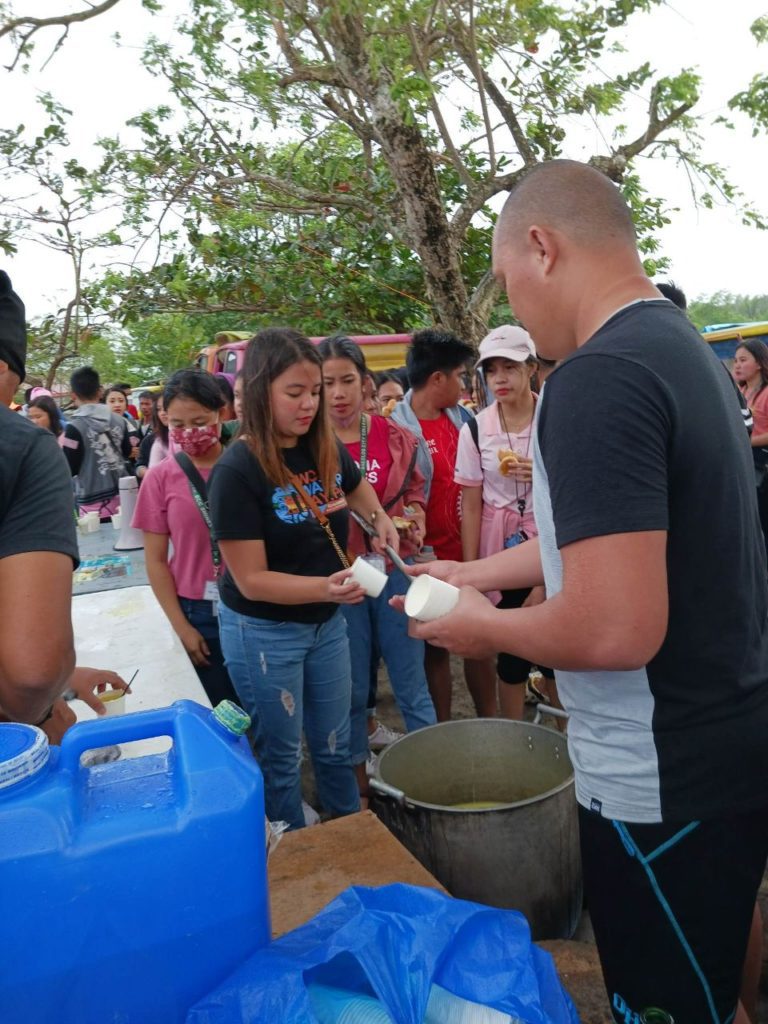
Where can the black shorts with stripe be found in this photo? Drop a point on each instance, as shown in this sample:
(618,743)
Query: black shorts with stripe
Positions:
(671,905)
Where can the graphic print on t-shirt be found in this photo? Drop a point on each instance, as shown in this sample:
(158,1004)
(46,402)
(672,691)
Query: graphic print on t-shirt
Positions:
(289,507)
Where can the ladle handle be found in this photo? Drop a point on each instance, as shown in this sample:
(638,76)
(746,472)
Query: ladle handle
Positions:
(546,709)
(384,789)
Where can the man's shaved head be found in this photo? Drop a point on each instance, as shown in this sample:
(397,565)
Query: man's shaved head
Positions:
(565,252)
(569,197)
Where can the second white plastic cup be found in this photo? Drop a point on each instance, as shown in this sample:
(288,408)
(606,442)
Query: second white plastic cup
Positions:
(113,701)
(429,598)
(371,579)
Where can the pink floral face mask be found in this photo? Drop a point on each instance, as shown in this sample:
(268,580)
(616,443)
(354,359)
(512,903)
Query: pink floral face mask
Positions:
(195,441)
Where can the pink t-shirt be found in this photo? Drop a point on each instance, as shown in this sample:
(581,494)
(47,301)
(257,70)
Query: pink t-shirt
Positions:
(758,406)
(165,505)
(481,468)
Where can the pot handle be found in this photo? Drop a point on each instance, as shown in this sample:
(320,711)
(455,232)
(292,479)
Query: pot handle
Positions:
(384,789)
(546,709)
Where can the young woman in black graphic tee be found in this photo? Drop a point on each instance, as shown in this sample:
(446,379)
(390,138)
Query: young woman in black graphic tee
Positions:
(283,634)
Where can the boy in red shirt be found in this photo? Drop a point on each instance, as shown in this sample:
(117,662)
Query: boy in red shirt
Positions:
(437,364)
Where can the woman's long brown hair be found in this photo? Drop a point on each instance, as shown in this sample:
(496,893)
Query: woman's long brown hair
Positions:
(269,354)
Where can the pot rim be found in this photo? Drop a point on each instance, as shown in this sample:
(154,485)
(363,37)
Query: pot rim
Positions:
(447,808)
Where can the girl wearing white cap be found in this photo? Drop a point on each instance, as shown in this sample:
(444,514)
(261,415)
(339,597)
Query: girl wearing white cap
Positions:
(493,467)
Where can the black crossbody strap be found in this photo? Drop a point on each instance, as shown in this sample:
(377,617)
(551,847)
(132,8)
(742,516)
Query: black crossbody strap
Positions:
(200,495)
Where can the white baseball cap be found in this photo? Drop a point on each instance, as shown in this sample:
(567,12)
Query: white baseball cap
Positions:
(506,342)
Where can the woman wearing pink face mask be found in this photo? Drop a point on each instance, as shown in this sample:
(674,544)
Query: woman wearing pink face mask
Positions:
(173,506)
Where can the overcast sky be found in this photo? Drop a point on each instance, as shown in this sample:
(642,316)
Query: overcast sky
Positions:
(104,84)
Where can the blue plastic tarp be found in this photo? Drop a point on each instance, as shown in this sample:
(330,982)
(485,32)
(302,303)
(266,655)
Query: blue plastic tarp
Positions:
(394,942)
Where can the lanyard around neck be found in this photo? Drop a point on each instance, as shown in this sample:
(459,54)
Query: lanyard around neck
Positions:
(200,497)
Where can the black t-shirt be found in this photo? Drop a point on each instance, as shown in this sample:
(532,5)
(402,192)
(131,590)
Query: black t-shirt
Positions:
(245,505)
(640,430)
(36,501)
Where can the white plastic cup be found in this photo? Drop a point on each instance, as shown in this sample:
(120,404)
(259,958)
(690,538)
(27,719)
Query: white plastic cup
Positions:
(116,520)
(113,701)
(429,598)
(371,579)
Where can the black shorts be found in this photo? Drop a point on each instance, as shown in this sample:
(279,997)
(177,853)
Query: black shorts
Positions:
(671,906)
(510,668)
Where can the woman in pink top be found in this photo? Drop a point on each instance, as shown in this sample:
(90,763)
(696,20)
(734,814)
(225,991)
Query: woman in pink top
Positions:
(493,466)
(172,508)
(44,412)
(750,369)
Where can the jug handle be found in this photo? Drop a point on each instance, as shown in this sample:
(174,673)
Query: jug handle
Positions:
(139,725)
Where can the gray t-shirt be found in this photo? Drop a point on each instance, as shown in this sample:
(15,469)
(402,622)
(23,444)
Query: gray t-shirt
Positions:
(36,503)
(640,430)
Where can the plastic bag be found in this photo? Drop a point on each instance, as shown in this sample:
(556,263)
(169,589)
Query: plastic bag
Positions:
(393,942)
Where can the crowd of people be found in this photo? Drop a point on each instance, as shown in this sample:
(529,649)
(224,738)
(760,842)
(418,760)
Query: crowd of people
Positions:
(603,527)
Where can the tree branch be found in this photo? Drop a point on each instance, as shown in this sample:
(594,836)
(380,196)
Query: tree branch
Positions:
(484,297)
(478,196)
(363,131)
(33,25)
(442,127)
(615,165)
(300,70)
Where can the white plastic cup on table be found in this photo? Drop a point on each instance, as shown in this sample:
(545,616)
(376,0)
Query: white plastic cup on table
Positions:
(429,598)
(113,701)
(116,520)
(371,579)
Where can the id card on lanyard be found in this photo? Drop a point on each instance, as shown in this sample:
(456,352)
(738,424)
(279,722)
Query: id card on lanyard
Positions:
(200,497)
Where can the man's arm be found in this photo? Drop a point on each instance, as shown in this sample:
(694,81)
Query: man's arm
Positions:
(611,613)
(73,449)
(38,548)
(37,654)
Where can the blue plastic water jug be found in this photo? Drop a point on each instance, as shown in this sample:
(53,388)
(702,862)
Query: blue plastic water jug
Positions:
(130,889)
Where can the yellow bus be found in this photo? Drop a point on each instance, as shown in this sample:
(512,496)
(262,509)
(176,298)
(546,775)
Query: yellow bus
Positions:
(382,351)
(725,338)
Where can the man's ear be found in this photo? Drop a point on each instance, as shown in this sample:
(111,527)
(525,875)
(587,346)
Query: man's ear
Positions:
(544,246)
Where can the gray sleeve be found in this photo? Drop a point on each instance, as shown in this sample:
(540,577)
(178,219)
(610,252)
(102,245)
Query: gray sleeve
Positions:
(40,512)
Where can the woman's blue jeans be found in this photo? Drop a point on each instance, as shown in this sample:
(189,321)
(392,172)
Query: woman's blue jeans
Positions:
(291,676)
(374,623)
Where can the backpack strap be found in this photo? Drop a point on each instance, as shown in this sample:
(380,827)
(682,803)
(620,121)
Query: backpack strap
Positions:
(475,432)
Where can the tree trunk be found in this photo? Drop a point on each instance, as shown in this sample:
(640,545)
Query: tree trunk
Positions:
(410,164)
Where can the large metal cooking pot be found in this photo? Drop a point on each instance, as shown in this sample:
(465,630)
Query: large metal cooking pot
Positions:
(523,852)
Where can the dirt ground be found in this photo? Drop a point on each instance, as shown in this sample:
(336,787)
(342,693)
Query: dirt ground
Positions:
(591,999)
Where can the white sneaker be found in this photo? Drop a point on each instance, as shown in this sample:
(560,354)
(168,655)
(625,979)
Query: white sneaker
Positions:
(370,765)
(311,817)
(382,736)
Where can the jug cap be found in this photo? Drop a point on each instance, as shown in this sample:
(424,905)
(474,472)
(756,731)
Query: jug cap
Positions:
(24,751)
(232,717)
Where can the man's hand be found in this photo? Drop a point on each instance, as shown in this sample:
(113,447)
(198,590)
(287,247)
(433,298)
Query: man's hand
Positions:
(449,572)
(87,682)
(61,718)
(464,631)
